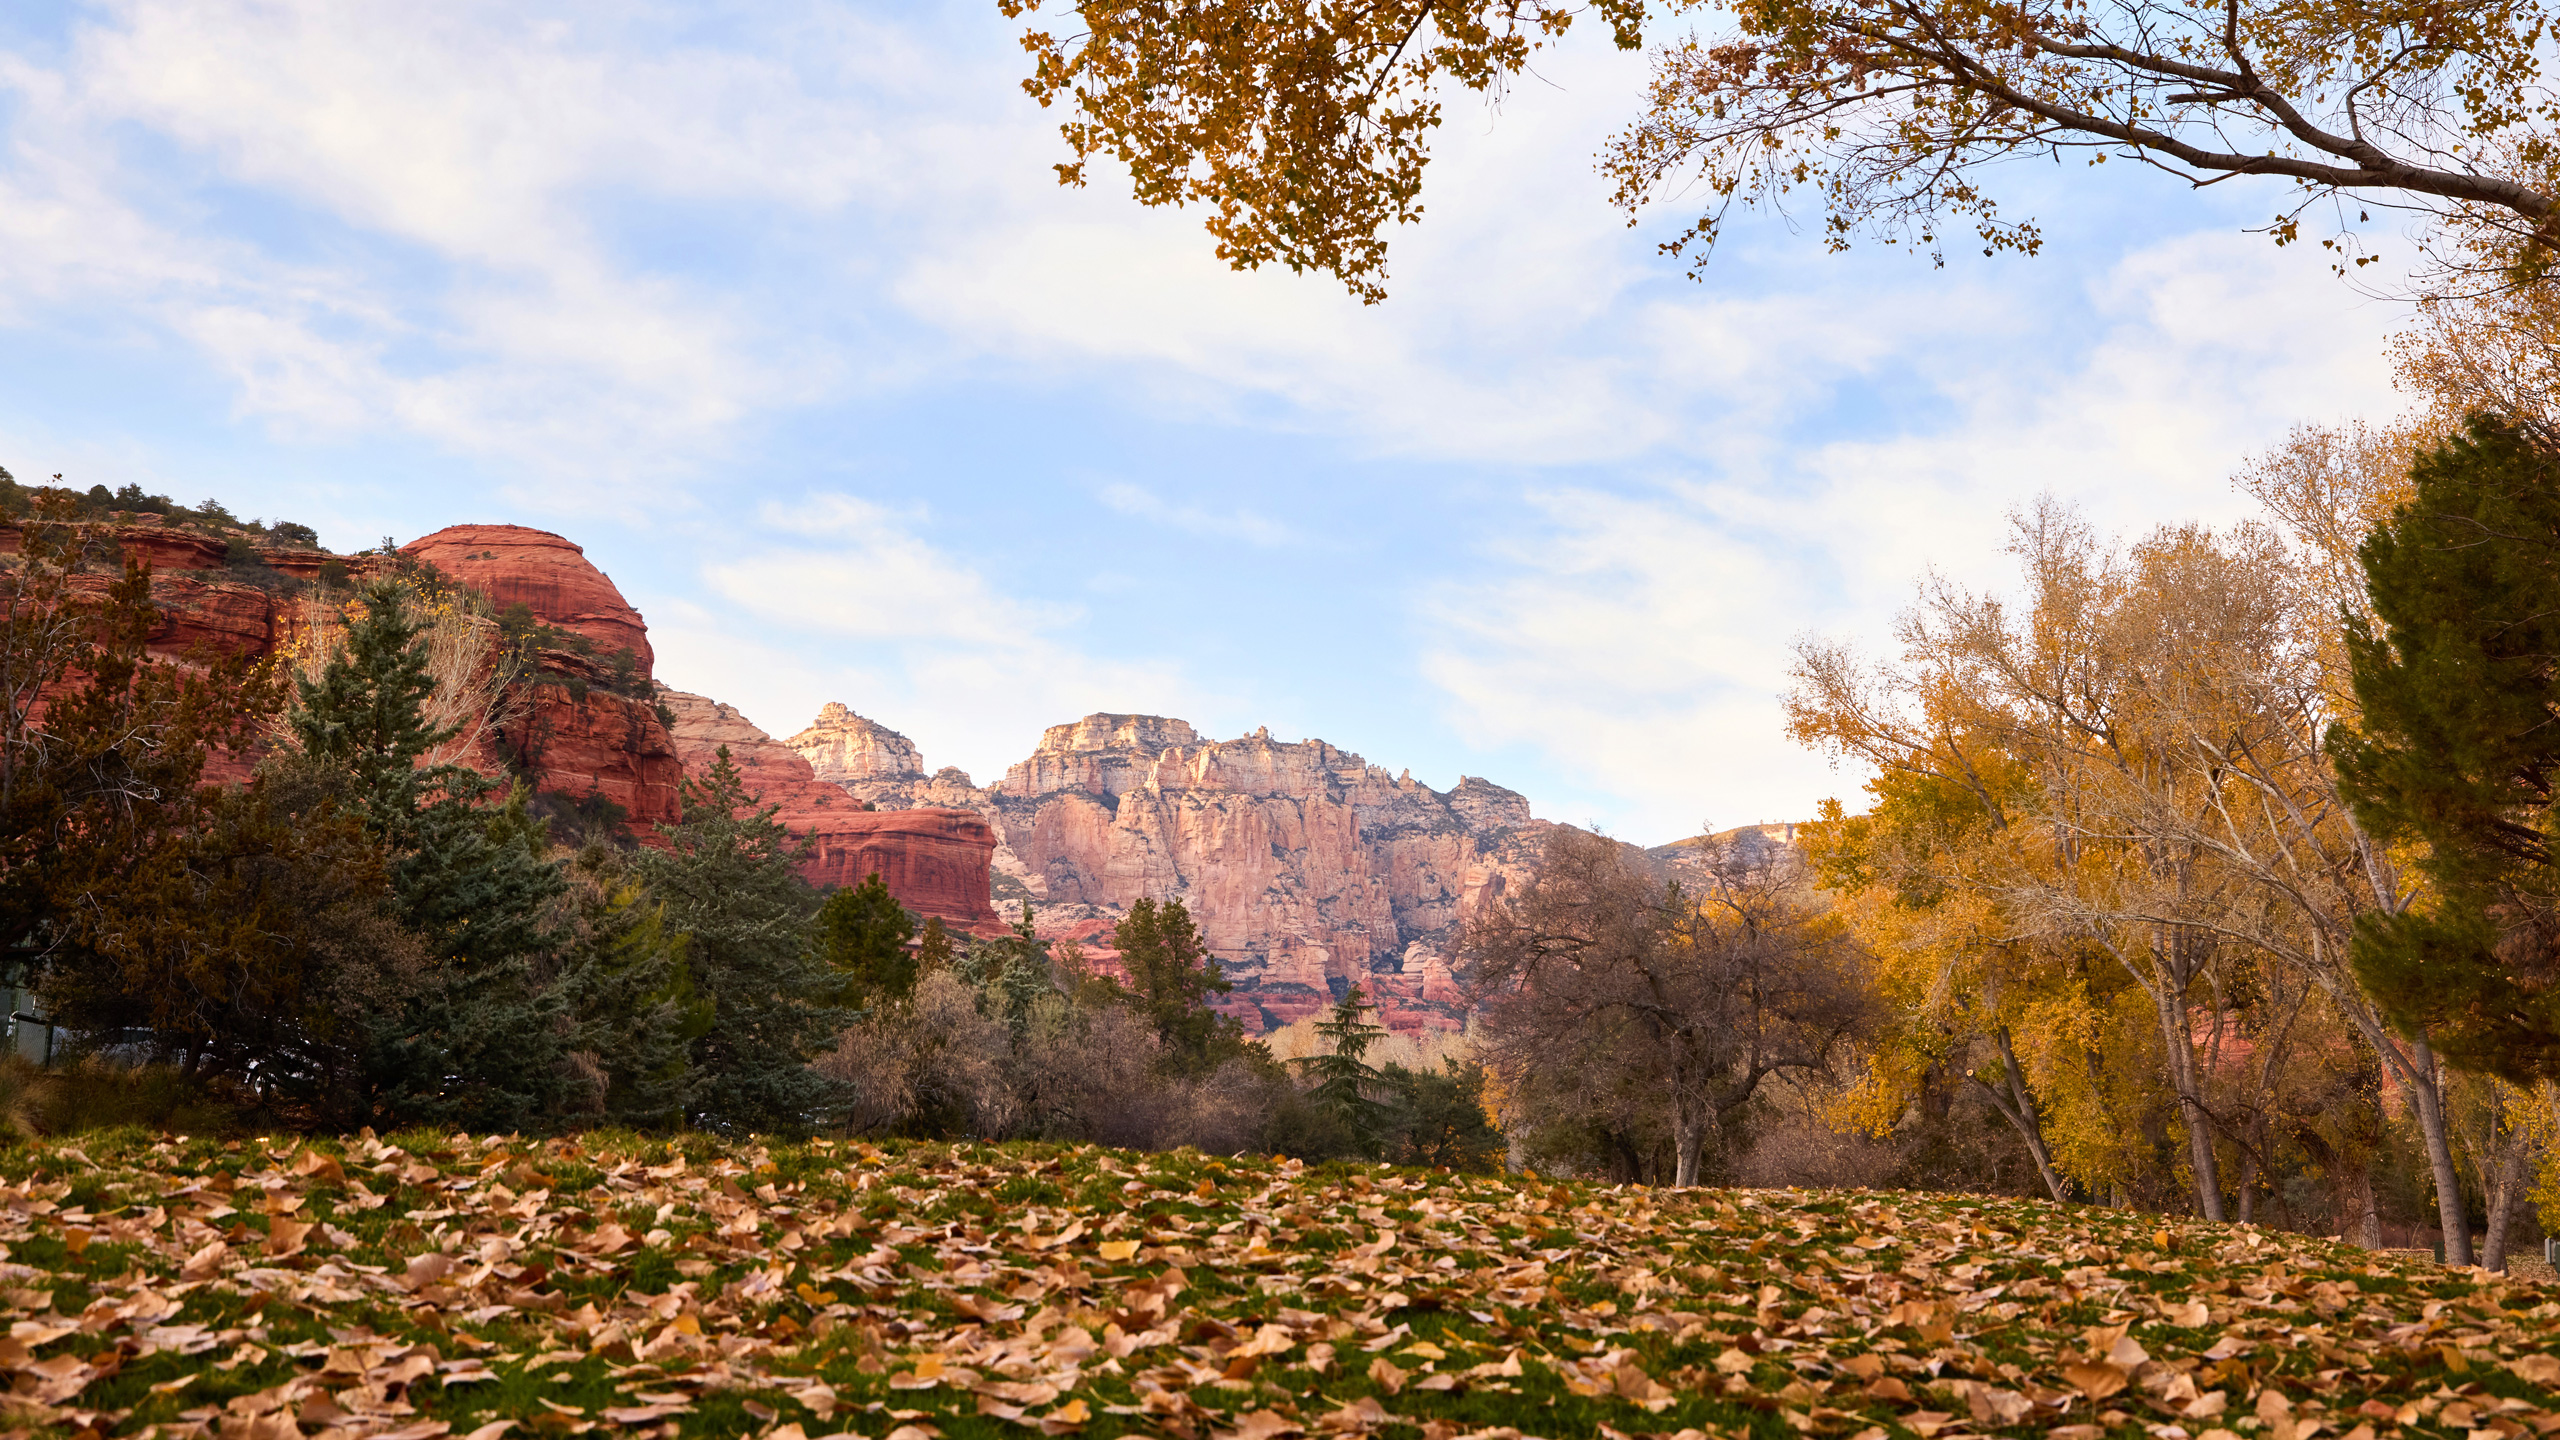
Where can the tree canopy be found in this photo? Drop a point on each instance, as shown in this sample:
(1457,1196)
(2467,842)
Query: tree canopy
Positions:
(1305,126)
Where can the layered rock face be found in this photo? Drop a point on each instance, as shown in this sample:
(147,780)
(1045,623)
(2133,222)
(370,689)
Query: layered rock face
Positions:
(934,860)
(842,747)
(1308,869)
(568,733)
(546,574)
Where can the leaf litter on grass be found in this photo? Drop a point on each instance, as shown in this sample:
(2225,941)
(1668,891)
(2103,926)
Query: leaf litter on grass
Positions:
(476,1287)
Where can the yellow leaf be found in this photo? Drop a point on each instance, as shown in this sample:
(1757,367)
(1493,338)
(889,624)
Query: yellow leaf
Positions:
(1117,1250)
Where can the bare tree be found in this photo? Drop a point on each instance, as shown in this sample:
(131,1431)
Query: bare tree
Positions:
(1608,992)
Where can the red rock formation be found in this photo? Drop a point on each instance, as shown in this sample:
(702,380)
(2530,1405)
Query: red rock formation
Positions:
(1308,869)
(570,734)
(934,860)
(598,743)
(545,573)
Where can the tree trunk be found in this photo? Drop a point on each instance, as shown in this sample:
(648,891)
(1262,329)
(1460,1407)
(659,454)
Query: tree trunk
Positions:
(2365,1215)
(2018,1107)
(1691,1119)
(2503,1185)
(2418,1071)
(2426,1098)
(2181,1045)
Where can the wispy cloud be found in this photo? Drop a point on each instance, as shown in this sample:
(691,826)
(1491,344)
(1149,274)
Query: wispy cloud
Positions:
(1238,524)
(910,633)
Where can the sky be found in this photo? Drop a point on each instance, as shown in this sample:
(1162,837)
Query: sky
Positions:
(778,310)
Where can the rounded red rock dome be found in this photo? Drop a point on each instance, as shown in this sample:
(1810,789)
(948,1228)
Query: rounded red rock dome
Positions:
(547,574)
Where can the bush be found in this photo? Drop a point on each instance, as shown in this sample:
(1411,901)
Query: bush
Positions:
(92,1093)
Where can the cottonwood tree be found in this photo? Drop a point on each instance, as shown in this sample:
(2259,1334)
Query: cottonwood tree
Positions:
(1305,126)
(1606,991)
(2180,815)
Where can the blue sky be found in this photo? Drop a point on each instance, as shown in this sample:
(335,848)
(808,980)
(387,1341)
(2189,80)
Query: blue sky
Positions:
(777,310)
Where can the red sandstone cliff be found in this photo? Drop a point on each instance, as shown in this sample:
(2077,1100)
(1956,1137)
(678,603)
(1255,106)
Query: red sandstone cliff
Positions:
(547,575)
(934,860)
(560,723)
(1307,869)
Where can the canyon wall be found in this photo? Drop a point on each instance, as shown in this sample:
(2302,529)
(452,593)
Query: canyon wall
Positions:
(1308,869)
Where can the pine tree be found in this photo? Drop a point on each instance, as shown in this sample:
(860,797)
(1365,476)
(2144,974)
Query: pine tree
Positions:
(730,882)
(638,1010)
(862,935)
(479,1039)
(2457,749)
(1171,977)
(1346,1085)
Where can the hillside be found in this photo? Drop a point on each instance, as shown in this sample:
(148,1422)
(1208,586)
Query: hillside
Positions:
(438,1285)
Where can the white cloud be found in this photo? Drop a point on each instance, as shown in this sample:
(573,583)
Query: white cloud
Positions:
(905,633)
(1238,524)
(1640,638)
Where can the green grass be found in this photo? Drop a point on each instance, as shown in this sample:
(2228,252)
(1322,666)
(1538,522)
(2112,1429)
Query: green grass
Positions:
(591,1287)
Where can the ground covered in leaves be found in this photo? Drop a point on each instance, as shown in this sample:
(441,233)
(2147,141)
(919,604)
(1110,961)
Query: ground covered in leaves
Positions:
(436,1285)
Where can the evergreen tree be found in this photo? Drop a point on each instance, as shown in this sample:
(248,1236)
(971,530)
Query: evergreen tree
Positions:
(631,988)
(730,882)
(1171,977)
(478,1040)
(1346,1085)
(935,950)
(366,714)
(862,935)
(2458,750)
(1439,1119)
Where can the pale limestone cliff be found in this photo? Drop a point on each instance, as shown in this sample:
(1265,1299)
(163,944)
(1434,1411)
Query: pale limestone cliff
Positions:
(843,748)
(1308,869)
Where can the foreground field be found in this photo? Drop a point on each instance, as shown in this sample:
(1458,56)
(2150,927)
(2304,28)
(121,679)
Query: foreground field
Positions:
(483,1287)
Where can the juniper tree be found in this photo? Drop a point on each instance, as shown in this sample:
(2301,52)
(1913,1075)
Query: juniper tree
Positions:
(862,936)
(730,881)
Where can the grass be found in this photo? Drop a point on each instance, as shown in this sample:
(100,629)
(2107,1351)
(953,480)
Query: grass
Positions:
(614,1285)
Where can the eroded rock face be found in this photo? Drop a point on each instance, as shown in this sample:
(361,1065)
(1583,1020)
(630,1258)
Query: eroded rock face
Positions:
(546,574)
(934,860)
(843,748)
(1308,869)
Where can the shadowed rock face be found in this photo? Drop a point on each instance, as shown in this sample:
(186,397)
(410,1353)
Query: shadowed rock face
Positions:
(1308,869)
